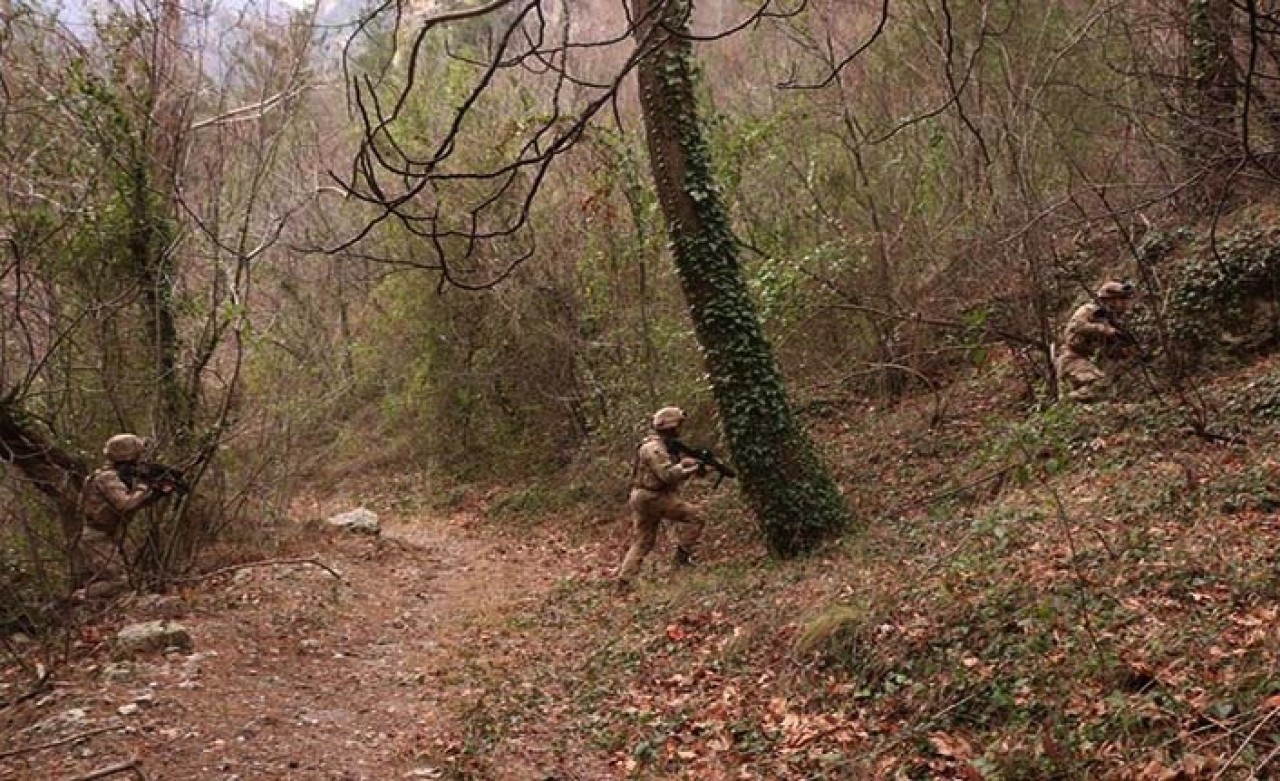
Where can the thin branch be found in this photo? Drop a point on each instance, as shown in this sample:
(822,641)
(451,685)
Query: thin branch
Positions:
(113,770)
(38,672)
(60,742)
(839,68)
(1226,765)
(916,317)
(251,111)
(263,563)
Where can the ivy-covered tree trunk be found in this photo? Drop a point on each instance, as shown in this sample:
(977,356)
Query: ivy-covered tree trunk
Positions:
(152,266)
(795,500)
(163,142)
(1212,91)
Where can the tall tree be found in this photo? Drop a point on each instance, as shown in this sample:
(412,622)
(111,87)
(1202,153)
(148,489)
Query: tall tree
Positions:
(409,182)
(1211,138)
(795,499)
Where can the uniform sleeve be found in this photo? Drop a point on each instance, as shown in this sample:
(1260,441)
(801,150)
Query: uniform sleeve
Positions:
(1085,331)
(1092,328)
(118,494)
(654,457)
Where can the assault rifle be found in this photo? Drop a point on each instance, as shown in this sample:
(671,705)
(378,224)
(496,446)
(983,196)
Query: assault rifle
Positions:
(1125,336)
(705,458)
(161,477)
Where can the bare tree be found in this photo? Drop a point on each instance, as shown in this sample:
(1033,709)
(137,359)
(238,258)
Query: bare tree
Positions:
(125,277)
(472,218)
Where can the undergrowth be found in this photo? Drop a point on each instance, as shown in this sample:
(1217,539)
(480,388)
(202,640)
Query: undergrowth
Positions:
(1076,592)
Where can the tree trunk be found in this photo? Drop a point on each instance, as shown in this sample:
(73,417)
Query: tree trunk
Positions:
(49,469)
(795,499)
(163,145)
(1210,145)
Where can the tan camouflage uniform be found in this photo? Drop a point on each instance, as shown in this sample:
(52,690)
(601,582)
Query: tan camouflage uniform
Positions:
(655,480)
(107,502)
(1087,334)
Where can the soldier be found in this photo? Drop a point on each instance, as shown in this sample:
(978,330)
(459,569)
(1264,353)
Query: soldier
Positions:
(656,478)
(111,495)
(1093,327)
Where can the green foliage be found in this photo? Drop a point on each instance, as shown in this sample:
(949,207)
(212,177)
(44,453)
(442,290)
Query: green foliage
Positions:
(541,500)
(778,286)
(444,379)
(22,591)
(1227,286)
(1041,443)
(1256,402)
(1156,245)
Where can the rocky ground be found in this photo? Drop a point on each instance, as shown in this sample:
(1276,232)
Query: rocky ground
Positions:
(335,667)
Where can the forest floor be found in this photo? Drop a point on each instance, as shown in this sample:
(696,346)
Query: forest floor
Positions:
(345,664)
(1060,593)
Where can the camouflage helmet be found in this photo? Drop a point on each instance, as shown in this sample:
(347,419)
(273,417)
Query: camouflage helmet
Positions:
(668,418)
(1115,289)
(124,447)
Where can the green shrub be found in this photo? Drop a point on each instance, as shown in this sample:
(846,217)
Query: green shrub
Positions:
(1230,287)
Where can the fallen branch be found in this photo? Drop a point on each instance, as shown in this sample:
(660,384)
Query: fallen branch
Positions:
(60,742)
(1212,436)
(1267,761)
(131,765)
(997,474)
(1246,743)
(41,686)
(36,671)
(939,322)
(263,563)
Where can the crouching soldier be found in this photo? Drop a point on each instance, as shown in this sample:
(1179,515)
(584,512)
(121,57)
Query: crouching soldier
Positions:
(110,497)
(1093,328)
(656,478)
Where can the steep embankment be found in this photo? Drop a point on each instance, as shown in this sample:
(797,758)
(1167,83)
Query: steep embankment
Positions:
(1075,593)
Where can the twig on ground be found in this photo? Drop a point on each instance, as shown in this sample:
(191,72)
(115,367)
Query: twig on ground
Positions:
(995,475)
(112,770)
(1246,742)
(59,742)
(263,563)
(36,671)
(1213,436)
(1266,762)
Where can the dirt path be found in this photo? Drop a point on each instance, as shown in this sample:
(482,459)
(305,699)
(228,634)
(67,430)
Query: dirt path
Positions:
(297,674)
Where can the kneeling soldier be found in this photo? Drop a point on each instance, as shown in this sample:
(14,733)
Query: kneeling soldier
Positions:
(111,495)
(1093,328)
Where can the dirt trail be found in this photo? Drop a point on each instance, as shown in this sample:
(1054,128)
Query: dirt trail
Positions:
(295,674)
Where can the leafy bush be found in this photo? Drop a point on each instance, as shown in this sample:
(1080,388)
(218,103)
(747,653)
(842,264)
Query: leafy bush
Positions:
(1227,289)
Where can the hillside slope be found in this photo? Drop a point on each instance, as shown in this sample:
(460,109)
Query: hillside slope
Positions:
(1076,593)
(1073,593)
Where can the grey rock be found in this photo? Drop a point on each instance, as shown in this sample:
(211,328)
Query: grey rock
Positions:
(361,519)
(149,637)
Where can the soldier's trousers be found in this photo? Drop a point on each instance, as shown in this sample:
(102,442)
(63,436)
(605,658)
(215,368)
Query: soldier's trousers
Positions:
(100,568)
(650,509)
(1078,377)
